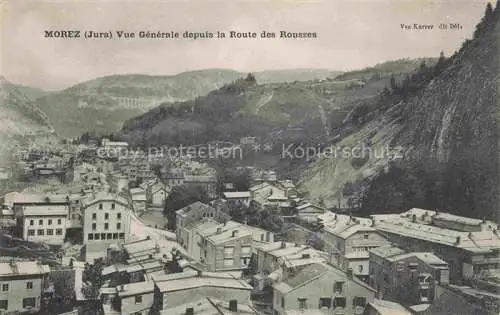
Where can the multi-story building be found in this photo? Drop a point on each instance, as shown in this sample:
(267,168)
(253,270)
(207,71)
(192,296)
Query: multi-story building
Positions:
(139,199)
(469,246)
(408,278)
(22,285)
(323,287)
(195,212)
(175,290)
(106,221)
(347,239)
(226,247)
(44,223)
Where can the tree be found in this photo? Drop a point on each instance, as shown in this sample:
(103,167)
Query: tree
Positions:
(92,274)
(179,197)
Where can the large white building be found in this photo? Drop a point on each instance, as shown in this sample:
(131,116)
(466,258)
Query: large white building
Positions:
(45,223)
(22,285)
(106,220)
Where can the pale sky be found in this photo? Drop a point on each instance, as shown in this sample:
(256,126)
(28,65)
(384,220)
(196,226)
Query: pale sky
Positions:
(351,34)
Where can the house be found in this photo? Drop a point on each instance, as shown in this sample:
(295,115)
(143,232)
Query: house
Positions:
(175,290)
(384,307)
(269,194)
(22,285)
(450,237)
(237,197)
(347,239)
(309,212)
(275,258)
(138,196)
(226,247)
(194,213)
(211,306)
(406,277)
(321,286)
(106,222)
(44,223)
(159,194)
(135,298)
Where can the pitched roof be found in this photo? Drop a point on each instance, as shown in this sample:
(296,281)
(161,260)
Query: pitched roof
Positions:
(136,288)
(236,194)
(45,210)
(194,206)
(23,268)
(306,274)
(196,282)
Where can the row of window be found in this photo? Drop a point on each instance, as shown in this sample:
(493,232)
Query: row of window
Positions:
(106,216)
(40,222)
(5,286)
(27,303)
(106,226)
(41,232)
(106,236)
(112,206)
(327,302)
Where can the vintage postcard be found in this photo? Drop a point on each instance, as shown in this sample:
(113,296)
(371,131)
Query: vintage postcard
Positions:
(202,157)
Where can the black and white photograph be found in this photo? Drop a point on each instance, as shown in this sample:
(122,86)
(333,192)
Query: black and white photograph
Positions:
(249,157)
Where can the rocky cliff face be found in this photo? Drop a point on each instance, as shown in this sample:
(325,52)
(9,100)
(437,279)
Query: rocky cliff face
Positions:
(448,131)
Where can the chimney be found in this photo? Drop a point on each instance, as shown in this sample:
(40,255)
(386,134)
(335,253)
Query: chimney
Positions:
(235,232)
(306,256)
(283,244)
(233,306)
(150,256)
(457,241)
(219,230)
(349,273)
(189,311)
(122,288)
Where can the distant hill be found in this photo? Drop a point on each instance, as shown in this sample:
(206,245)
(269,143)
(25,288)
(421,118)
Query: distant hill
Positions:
(276,113)
(104,104)
(20,118)
(441,126)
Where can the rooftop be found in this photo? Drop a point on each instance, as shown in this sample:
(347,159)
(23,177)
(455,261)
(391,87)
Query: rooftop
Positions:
(275,249)
(196,282)
(393,253)
(385,307)
(135,288)
(209,306)
(139,246)
(455,218)
(198,205)
(45,210)
(23,268)
(236,194)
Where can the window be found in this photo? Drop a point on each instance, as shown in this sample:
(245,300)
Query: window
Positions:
(115,236)
(50,222)
(59,221)
(96,236)
(106,216)
(29,302)
(103,236)
(106,226)
(118,226)
(245,250)
(359,301)
(244,261)
(31,232)
(109,236)
(94,216)
(113,206)
(360,268)
(58,231)
(94,226)
(121,236)
(138,299)
(50,232)
(100,206)
(90,236)
(118,216)
(282,302)
(325,302)
(302,303)
(338,287)
(29,285)
(228,262)
(339,302)
(4,304)
(365,236)
(5,287)
(40,232)
(40,222)
(228,251)
(413,267)
(32,222)
(262,237)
